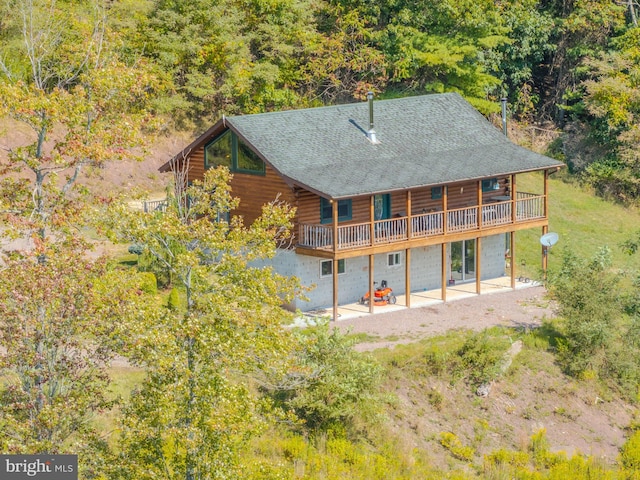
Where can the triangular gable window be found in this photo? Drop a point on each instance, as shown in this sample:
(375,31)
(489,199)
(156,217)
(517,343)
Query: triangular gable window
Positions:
(219,152)
(232,152)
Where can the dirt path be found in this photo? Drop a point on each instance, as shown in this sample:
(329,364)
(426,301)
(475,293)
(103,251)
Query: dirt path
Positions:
(525,307)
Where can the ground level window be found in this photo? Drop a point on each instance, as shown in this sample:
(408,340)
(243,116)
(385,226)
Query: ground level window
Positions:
(326,267)
(393,259)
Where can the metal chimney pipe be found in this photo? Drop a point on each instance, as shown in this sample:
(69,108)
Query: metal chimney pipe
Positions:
(504,116)
(371,134)
(370,99)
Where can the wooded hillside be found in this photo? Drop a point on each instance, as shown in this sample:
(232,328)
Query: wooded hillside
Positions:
(570,65)
(210,383)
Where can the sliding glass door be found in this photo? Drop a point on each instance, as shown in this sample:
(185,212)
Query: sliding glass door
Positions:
(463,260)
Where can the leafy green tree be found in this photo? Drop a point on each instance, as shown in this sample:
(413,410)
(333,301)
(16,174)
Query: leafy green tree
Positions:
(432,47)
(612,110)
(59,322)
(346,61)
(331,387)
(599,337)
(196,407)
(229,56)
(586,294)
(516,62)
(61,75)
(583,30)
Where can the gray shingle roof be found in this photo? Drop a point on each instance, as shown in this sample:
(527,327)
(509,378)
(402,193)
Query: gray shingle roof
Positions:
(424,140)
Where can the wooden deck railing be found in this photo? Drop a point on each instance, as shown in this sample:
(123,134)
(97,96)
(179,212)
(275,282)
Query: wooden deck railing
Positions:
(154,205)
(528,207)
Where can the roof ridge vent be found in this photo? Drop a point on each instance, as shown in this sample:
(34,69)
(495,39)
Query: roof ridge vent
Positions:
(371,133)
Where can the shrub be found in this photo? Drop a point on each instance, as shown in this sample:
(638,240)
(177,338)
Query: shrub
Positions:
(483,355)
(543,457)
(588,301)
(136,249)
(177,300)
(630,453)
(499,458)
(599,339)
(148,283)
(148,263)
(332,388)
(452,443)
(435,398)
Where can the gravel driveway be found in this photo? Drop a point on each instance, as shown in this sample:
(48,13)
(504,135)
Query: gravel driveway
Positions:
(525,307)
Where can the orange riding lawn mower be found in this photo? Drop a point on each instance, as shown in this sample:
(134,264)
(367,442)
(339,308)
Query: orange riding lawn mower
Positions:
(383,295)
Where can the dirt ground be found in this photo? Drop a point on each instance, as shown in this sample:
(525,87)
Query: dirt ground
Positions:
(576,415)
(525,307)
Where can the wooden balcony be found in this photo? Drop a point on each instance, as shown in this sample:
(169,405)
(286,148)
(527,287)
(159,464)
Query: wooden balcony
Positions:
(433,225)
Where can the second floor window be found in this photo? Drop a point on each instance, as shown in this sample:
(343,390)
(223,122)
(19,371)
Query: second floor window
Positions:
(490,184)
(326,210)
(232,152)
(219,152)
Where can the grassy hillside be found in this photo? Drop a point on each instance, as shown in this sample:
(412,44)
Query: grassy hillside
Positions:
(534,418)
(583,222)
(434,425)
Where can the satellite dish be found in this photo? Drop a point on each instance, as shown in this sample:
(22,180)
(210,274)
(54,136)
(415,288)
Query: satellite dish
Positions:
(549,239)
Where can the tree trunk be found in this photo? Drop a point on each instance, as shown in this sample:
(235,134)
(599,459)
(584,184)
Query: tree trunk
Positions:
(632,12)
(190,462)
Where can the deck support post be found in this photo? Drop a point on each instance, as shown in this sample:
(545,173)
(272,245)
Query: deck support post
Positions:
(445,201)
(334,264)
(407,277)
(514,200)
(335,289)
(512,249)
(545,229)
(514,217)
(443,293)
(409,222)
(407,263)
(479,202)
(372,219)
(478,263)
(545,253)
(443,250)
(546,194)
(478,239)
(372,291)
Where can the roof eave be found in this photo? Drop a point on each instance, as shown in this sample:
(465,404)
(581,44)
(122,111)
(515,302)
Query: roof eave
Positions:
(219,126)
(555,168)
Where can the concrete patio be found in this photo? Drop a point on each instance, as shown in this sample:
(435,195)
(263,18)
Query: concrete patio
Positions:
(419,299)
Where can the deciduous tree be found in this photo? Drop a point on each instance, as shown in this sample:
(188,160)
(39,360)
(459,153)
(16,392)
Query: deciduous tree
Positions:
(61,75)
(196,407)
(612,99)
(600,337)
(58,323)
(229,56)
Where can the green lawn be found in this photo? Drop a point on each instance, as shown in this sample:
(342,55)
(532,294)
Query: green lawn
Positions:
(583,222)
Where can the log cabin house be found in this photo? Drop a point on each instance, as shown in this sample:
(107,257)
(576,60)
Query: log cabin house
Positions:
(420,191)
